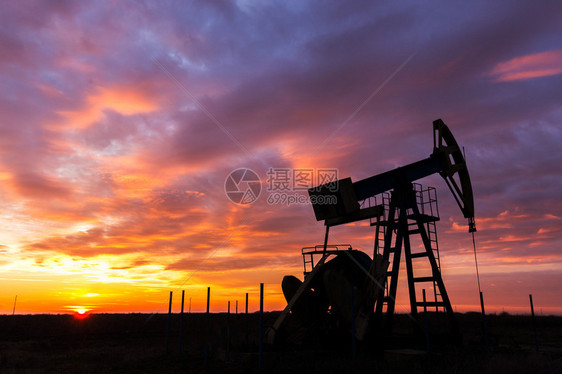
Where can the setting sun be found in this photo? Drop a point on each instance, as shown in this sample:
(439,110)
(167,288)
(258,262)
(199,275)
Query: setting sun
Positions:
(81,312)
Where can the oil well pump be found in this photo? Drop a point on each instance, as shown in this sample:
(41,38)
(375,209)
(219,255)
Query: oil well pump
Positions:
(359,290)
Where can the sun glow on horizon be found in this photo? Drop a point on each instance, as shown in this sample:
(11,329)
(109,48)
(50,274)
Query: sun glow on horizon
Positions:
(81,312)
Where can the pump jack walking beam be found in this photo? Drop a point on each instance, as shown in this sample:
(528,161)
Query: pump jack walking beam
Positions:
(446,160)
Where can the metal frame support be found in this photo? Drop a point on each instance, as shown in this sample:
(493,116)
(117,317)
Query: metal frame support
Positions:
(403,204)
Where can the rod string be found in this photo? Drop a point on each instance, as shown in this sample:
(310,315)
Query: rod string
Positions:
(476,262)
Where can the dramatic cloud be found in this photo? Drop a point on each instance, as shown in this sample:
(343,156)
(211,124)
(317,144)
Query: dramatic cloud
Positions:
(532,66)
(120,122)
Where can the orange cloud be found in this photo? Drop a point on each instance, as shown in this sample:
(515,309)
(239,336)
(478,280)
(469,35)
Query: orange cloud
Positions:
(31,184)
(121,99)
(504,220)
(513,238)
(531,66)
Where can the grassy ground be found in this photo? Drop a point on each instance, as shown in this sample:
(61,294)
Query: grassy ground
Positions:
(136,343)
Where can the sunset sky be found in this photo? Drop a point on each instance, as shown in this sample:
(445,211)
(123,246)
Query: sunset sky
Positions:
(120,122)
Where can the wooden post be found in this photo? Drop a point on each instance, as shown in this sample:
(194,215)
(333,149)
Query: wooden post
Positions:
(169,324)
(208,304)
(260,358)
(353,342)
(206,356)
(15,301)
(534,322)
(484,327)
(181,323)
(246,323)
(425,317)
(228,332)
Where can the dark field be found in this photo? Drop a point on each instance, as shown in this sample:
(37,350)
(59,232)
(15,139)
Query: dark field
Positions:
(136,343)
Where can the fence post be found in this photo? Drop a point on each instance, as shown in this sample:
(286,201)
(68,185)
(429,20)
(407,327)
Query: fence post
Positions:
(353,342)
(534,322)
(484,327)
(207,342)
(425,317)
(169,324)
(181,323)
(246,323)
(228,332)
(208,304)
(260,358)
